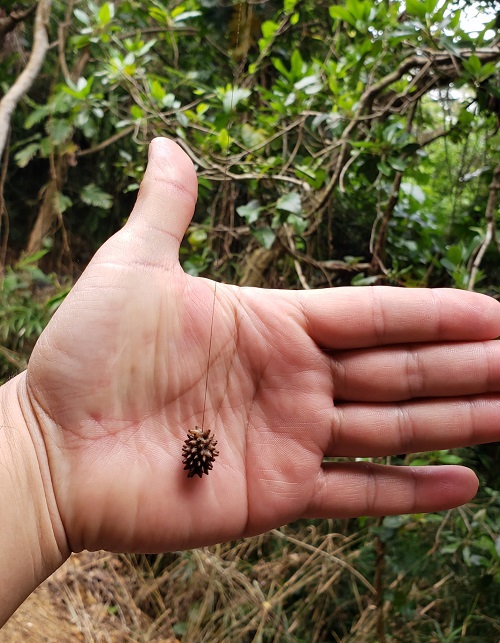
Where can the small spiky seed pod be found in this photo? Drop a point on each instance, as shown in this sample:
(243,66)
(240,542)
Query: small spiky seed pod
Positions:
(199,452)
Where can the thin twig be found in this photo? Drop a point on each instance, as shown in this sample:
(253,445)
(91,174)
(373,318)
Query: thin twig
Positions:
(109,141)
(296,263)
(490,226)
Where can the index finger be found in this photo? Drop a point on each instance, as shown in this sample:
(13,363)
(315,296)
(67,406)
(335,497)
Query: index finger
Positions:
(353,317)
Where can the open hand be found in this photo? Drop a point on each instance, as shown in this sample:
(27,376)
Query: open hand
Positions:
(119,376)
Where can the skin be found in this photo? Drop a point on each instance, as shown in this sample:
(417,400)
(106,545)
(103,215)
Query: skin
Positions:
(93,431)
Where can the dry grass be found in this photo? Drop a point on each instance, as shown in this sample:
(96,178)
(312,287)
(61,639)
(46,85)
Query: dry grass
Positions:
(237,592)
(304,582)
(232,592)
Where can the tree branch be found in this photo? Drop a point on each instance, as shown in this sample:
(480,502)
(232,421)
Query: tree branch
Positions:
(379,246)
(109,141)
(29,73)
(441,64)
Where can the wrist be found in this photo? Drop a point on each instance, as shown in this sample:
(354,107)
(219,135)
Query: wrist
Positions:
(32,539)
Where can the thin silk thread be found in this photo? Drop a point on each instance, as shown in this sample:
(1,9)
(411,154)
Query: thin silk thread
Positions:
(238,29)
(209,353)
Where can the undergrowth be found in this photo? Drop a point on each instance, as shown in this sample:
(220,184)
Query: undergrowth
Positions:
(438,580)
(28,299)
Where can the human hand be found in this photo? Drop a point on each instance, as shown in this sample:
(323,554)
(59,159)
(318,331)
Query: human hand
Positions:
(118,378)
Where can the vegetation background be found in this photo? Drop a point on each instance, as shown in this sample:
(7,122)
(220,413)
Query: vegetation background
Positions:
(336,143)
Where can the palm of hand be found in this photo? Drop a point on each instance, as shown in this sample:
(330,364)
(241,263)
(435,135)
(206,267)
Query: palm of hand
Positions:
(128,380)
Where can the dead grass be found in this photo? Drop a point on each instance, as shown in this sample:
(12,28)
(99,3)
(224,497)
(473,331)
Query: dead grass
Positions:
(303,582)
(231,592)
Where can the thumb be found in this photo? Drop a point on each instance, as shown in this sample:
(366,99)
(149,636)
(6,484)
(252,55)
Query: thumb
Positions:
(167,196)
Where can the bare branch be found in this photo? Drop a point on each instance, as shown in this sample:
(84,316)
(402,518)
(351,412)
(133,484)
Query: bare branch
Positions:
(429,137)
(29,73)
(106,143)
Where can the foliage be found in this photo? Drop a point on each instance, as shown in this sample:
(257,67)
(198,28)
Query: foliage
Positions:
(313,127)
(28,298)
(335,143)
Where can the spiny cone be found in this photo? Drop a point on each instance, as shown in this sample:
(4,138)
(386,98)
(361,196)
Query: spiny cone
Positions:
(199,452)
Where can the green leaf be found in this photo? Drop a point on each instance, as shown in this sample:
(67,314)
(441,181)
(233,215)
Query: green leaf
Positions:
(410,29)
(394,522)
(197,238)
(290,202)
(194,266)
(397,163)
(232,96)
(392,132)
(297,64)
(340,13)
(416,8)
(136,113)
(223,139)
(472,64)
(278,64)
(265,236)
(289,5)
(487,70)
(30,260)
(158,92)
(361,280)
(450,46)
(430,5)
(59,130)
(81,89)
(299,223)
(63,202)
(202,108)
(310,84)
(80,41)
(252,137)
(454,255)
(45,146)
(384,168)
(82,16)
(36,116)
(250,212)
(186,15)
(413,191)
(269,28)
(92,195)
(105,14)
(24,156)
(449,458)
(356,9)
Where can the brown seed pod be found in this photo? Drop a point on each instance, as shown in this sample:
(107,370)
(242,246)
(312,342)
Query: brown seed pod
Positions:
(199,452)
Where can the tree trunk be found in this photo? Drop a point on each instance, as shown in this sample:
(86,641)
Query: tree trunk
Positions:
(49,210)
